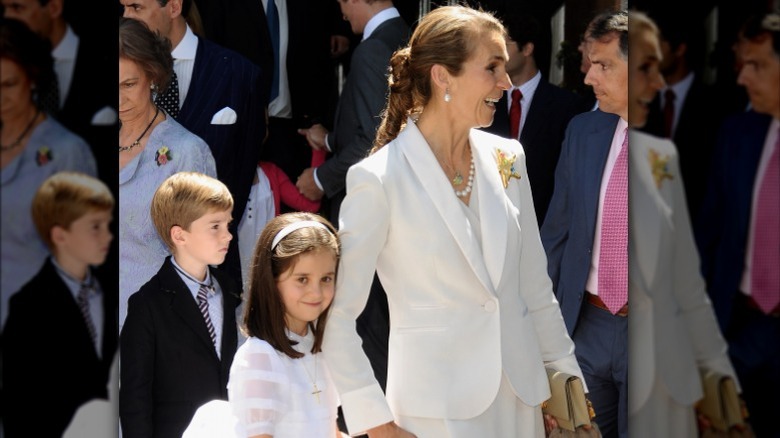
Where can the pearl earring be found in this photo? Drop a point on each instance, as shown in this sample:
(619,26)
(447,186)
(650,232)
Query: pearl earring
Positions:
(447,96)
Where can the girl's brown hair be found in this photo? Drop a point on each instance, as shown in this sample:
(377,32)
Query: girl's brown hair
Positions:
(264,312)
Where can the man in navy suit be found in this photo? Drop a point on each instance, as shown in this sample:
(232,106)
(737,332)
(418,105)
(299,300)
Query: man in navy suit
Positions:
(690,97)
(572,236)
(221,100)
(301,98)
(544,109)
(739,248)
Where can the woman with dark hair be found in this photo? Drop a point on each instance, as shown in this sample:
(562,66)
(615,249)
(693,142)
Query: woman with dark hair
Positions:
(152,147)
(33,146)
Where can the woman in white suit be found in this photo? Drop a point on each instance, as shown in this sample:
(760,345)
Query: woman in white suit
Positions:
(672,329)
(443,212)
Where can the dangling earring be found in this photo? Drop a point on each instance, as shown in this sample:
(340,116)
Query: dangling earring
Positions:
(447,96)
(153,87)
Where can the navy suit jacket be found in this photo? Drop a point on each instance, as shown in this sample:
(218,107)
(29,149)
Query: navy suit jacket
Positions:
(570,225)
(722,231)
(551,110)
(169,364)
(92,90)
(49,361)
(223,78)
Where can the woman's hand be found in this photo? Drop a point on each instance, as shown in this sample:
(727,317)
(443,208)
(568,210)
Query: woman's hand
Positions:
(550,424)
(390,430)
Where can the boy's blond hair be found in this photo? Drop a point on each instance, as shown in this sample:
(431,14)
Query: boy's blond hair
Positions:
(64,198)
(184,198)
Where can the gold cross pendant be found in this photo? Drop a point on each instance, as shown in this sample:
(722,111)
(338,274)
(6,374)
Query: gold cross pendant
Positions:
(316,393)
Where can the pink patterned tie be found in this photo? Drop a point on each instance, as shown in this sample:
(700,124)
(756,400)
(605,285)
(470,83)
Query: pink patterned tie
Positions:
(765,268)
(613,258)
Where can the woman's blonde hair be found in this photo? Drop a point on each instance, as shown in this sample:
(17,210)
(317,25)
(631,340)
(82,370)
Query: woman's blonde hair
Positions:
(446,36)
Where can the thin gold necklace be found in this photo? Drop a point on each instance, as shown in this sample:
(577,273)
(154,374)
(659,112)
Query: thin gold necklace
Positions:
(24,133)
(137,141)
(316,392)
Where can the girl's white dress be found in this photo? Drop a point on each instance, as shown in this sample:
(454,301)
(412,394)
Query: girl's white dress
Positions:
(271,393)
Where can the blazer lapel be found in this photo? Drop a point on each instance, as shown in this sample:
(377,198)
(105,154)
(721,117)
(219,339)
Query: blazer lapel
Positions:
(433,182)
(645,205)
(598,141)
(492,208)
(183,304)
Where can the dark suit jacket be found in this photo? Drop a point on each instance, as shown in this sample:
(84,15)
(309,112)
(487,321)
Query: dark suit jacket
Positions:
(308,50)
(722,230)
(223,78)
(92,90)
(169,365)
(50,367)
(551,109)
(570,224)
(358,113)
(700,118)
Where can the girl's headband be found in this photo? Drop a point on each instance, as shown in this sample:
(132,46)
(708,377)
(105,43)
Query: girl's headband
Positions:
(295,226)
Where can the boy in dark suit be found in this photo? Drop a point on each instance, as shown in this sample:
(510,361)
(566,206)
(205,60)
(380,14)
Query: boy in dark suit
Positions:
(60,337)
(180,335)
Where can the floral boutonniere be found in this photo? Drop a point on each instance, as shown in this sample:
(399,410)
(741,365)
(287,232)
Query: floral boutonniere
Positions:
(163,156)
(659,165)
(43,156)
(506,166)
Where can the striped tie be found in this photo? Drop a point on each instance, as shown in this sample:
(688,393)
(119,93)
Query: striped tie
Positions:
(83,302)
(203,305)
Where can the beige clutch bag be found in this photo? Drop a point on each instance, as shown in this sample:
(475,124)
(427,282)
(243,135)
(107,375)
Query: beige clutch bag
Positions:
(567,402)
(721,403)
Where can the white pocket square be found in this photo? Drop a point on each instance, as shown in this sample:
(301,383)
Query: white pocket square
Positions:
(225,116)
(106,116)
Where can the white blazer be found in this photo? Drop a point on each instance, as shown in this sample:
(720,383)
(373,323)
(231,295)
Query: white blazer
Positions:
(460,312)
(672,327)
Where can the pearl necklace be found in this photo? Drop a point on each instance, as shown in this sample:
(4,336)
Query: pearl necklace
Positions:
(469,184)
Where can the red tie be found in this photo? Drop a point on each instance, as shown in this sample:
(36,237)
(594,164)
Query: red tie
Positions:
(613,258)
(668,112)
(765,267)
(514,113)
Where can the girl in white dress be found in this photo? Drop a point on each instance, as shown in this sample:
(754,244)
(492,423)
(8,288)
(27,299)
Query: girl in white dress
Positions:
(279,385)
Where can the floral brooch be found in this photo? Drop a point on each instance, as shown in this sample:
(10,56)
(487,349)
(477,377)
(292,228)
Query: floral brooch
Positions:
(506,166)
(659,165)
(43,156)
(163,156)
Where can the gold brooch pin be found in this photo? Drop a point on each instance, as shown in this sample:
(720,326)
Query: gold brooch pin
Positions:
(506,166)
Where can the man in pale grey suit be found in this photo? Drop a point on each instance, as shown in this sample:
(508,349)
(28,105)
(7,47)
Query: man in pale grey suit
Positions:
(361,101)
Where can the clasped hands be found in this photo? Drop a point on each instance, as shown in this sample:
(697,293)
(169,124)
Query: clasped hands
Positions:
(315,136)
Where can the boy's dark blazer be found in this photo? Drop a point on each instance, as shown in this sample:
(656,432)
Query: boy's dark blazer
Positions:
(50,366)
(169,366)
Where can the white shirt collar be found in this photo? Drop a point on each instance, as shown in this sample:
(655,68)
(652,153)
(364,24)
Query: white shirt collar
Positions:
(376,20)
(187,47)
(680,89)
(67,48)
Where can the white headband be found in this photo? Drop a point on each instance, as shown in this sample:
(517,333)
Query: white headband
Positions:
(292,227)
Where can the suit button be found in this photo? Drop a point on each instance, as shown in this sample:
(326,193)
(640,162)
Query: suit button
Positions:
(490,306)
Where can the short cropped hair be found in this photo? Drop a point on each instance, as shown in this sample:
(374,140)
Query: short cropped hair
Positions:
(64,198)
(184,198)
(608,25)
